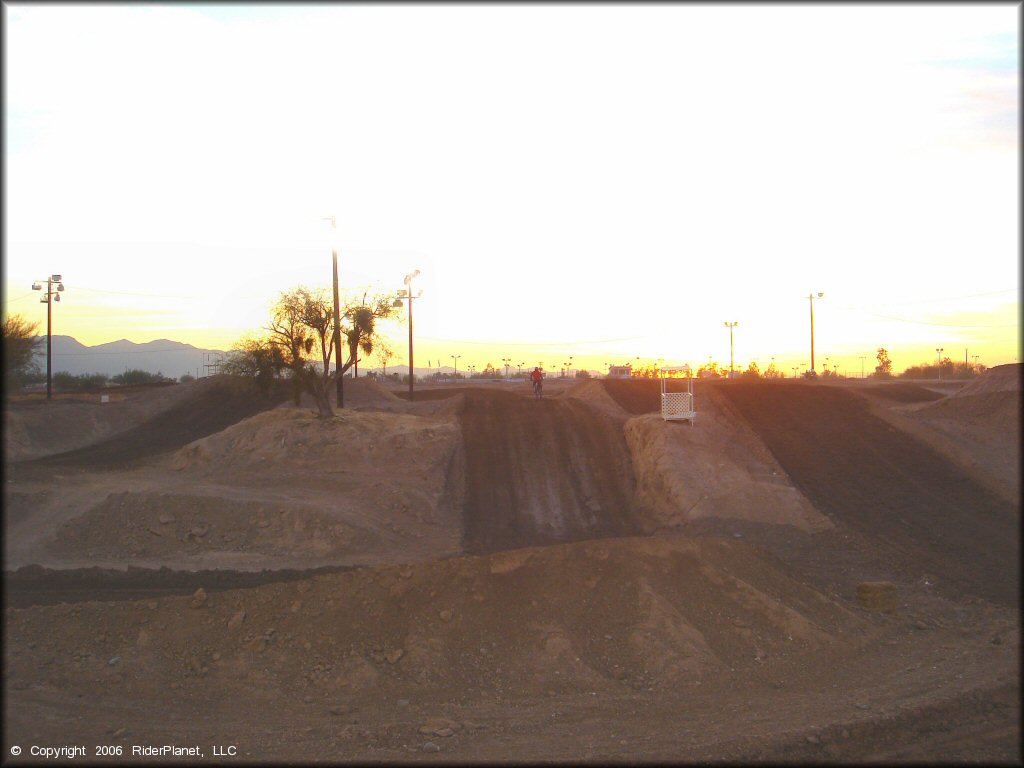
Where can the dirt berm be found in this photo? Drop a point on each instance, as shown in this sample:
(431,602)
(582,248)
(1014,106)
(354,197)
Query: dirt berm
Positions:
(864,473)
(207,408)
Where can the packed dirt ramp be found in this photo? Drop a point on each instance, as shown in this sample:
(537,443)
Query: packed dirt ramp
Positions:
(540,471)
(864,473)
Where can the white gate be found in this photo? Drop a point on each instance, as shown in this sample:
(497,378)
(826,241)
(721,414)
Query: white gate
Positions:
(677,406)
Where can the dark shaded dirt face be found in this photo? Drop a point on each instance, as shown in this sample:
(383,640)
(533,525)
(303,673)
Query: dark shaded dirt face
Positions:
(639,396)
(902,392)
(210,411)
(884,483)
(541,471)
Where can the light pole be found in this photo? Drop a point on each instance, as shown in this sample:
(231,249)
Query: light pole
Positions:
(339,385)
(521,368)
(456,359)
(862,358)
(507,361)
(811,298)
(52,294)
(730,326)
(938,360)
(408,294)
(568,374)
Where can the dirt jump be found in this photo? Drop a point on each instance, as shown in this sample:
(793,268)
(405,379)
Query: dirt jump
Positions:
(478,576)
(861,471)
(541,471)
(209,410)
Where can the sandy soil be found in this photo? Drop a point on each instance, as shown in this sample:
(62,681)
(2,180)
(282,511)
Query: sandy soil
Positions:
(507,580)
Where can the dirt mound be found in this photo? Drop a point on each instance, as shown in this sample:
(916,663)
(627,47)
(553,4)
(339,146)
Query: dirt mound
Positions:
(718,468)
(208,409)
(633,614)
(34,428)
(596,395)
(1001,378)
(902,392)
(288,447)
(443,393)
(541,470)
(986,425)
(637,396)
(126,526)
(864,473)
(360,393)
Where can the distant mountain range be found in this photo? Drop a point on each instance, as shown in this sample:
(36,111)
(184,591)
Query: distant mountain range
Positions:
(171,358)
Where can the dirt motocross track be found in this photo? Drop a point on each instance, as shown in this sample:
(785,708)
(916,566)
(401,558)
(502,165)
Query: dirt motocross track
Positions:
(493,583)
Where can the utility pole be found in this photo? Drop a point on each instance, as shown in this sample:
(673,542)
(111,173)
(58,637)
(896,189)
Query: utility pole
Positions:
(730,326)
(48,298)
(938,361)
(811,298)
(862,358)
(339,384)
(456,359)
(398,302)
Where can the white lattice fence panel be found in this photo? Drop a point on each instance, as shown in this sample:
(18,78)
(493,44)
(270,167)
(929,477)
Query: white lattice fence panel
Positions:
(677,405)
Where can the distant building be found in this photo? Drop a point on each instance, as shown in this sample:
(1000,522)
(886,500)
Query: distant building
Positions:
(620,371)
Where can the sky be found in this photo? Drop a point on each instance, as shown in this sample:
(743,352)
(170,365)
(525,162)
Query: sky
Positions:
(612,183)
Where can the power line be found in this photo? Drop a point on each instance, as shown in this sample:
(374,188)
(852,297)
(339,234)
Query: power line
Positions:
(24,296)
(926,301)
(136,293)
(941,325)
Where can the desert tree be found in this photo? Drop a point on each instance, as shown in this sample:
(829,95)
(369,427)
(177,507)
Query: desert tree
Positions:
(384,354)
(20,343)
(884,368)
(360,323)
(256,359)
(301,321)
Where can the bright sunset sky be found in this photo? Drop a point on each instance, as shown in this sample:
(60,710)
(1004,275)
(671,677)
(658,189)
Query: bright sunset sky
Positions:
(599,181)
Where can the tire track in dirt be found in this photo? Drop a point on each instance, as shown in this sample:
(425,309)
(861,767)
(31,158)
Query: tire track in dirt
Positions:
(884,483)
(542,471)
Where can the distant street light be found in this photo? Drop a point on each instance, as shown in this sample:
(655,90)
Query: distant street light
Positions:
(811,297)
(507,361)
(52,294)
(938,360)
(521,368)
(730,326)
(456,359)
(408,294)
(862,359)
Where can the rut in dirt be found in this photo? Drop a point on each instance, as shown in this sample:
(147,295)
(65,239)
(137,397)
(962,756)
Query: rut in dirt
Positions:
(542,471)
(884,483)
